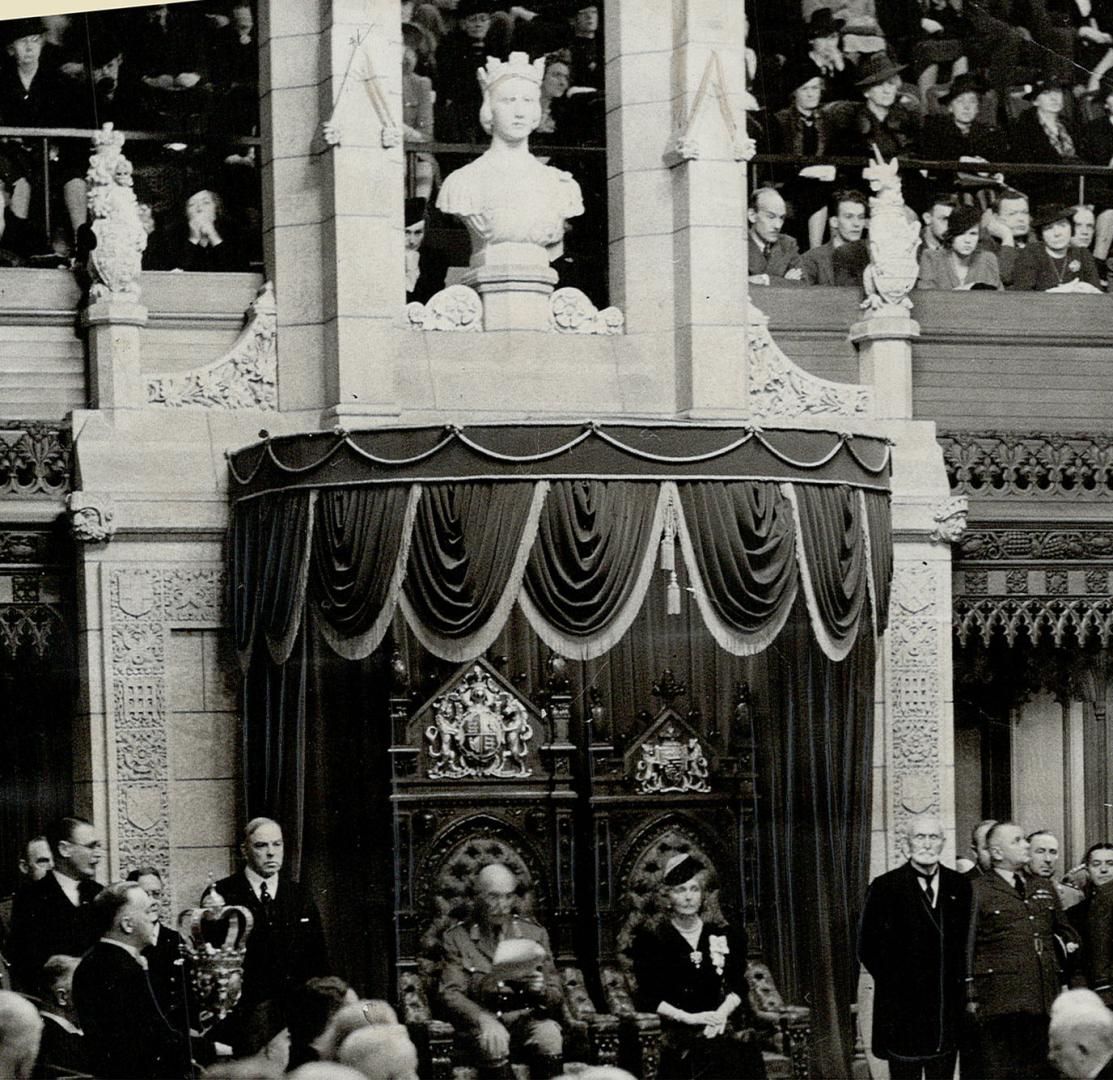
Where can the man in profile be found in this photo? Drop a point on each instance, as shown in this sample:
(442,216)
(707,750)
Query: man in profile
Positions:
(983,863)
(287,945)
(51,916)
(502,1013)
(912,940)
(127,1034)
(63,1051)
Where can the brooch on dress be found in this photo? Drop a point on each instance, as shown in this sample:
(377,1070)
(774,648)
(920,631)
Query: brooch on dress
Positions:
(696,957)
(719,947)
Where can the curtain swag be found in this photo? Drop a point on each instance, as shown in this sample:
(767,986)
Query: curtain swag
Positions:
(578,557)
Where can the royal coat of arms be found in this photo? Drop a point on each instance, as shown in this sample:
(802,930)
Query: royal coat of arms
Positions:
(479,729)
(672,762)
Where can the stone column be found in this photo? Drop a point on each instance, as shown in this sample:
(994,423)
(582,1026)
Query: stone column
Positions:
(334,211)
(114,343)
(883,339)
(706,156)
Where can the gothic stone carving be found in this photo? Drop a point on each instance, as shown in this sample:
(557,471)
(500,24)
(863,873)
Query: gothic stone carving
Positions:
(672,763)
(950,519)
(245,377)
(993,544)
(116,262)
(894,240)
(684,146)
(37,625)
(571,312)
(1005,465)
(35,458)
(779,389)
(1086,618)
(92,517)
(455,309)
(478,729)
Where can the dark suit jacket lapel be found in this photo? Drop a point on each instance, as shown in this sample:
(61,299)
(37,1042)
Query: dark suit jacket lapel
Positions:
(912,881)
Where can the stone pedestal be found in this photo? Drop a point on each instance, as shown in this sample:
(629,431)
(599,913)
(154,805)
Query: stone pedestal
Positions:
(885,359)
(515,296)
(115,370)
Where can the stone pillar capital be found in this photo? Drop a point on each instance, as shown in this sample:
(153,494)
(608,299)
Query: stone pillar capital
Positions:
(883,339)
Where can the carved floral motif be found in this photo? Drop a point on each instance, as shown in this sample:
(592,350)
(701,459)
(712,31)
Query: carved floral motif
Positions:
(1083,618)
(35,458)
(455,309)
(245,377)
(36,625)
(991,544)
(116,262)
(571,312)
(478,729)
(1000,464)
(779,389)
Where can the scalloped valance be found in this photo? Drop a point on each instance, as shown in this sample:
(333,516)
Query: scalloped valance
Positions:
(454,526)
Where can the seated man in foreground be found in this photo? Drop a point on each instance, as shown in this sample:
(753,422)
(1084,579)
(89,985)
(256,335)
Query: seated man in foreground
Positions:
(499,989)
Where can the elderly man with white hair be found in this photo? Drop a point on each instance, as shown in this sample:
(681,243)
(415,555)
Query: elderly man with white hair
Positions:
(912,940)
(1080,1038)
(380,1052)
(21,1028)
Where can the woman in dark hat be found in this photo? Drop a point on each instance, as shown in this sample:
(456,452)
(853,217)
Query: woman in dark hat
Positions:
(960,263)
(879,119)
(459,56)
(1097,149)
(1053,261)
(426,269)
(690,969)
(1042,135)
(803,129)
(959,133)
(825,55)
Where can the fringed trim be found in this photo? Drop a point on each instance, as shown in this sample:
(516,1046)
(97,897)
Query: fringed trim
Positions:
(356,648)
(591,646)
(831,649)
(280,650)
(459,650)
(729,639)
(870,586)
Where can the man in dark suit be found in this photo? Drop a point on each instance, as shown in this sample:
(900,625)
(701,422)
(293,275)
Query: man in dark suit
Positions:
(849,216)
(166,965)
(912,940)
(128,1035)
(62,1051)
(774,258)
(1081,1036)
(51,917)
(287,944)
(1011,960)
(978,848)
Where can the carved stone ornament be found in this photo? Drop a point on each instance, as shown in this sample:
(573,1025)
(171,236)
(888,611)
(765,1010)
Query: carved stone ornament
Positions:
(479,729)
(35,459)
(92,517)
(457,308)
(245,377)
(685,146)
(894,240)
(950,520)
(673,762)
(779,389)
(1079,619)
(1076,466)
(571,312)
(116,262)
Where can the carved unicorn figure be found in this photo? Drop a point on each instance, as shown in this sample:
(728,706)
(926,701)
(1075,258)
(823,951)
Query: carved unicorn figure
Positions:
(894,239)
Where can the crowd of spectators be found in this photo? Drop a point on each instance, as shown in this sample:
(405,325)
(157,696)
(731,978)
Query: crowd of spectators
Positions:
(940,84)
(182,77)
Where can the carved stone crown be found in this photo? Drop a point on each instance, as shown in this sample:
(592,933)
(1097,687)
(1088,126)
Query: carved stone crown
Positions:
(518,64)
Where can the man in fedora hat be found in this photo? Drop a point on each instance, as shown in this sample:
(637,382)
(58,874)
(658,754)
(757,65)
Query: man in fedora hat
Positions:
(1053,261)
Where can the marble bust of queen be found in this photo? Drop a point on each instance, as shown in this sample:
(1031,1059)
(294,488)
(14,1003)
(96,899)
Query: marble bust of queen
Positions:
(514,207)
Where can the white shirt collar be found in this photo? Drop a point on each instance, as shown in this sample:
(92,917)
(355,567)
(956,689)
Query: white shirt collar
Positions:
(66,1025)
(255,880)
(69,887)
(1008,875)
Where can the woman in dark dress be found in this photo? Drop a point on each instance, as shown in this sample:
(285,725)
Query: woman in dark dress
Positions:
(691,972)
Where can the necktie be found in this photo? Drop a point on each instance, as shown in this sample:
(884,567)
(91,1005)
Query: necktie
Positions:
(1018,883)
(265,899)
(928,890)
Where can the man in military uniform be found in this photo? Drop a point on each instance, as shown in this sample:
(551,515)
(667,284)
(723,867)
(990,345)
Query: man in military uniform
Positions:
(502,1014)
(1013,973)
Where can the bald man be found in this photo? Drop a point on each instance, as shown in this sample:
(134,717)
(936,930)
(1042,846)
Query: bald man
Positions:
(380,1052)
(21,1028)
(502,1015)
(912,940)
(1081,1036)
(774,257)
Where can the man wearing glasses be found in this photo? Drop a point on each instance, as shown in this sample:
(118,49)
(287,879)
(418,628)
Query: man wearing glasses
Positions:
(52,916)
(912,940)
